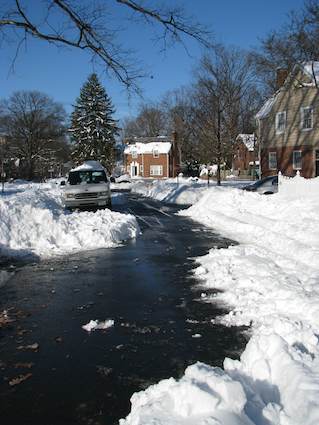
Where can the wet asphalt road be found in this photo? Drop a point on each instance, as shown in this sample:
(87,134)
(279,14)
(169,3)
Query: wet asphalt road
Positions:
(146,286)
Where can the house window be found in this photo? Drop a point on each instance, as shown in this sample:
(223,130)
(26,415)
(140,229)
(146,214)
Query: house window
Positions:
(155,153)
(297,160)
(272,160)
(280,122)
(141,170)
(134,154)
(306,118)
(156,170)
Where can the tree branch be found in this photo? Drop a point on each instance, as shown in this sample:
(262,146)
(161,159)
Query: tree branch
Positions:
(82,32)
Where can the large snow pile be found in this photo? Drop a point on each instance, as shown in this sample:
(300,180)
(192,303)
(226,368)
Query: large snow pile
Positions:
(178,191)
(182,191)
(269,281)
(33,221)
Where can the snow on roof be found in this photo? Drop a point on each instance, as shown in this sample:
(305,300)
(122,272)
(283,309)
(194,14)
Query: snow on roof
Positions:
(147,139)
(249,140)
(140,148)
(311,69)
(89,165)
(266,108)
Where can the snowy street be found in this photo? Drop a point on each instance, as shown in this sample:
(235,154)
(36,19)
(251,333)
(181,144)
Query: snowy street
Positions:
(59,368)
(193,327)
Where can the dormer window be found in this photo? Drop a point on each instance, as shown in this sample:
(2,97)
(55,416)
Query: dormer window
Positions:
(134,153)
(306,118)
(155,153)
(280,122)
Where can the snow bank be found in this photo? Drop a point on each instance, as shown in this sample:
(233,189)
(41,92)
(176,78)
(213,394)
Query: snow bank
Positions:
(270,282)
(204,392)
(182,191)
(33,221)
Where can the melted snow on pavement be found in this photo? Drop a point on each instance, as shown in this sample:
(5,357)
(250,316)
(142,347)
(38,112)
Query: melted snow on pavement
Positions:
(34,221)
(271,282)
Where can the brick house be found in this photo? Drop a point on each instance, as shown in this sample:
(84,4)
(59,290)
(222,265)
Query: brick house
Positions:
(288,124)
(245,156)
(152,157)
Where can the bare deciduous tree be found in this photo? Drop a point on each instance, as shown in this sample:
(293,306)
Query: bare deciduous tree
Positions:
(150,122)
(294,43)
(180,113)
(224,81)
(88,26)
(34,125)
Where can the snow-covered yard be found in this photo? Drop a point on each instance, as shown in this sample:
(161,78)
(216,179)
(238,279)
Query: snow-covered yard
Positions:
(34,222)
(270,281)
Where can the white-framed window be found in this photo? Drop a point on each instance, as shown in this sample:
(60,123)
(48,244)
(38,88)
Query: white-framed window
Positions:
(134,153)
(156,170)
(306,118)
(297,160)
(141,170)
(155,153)
(272,160)
(281,122)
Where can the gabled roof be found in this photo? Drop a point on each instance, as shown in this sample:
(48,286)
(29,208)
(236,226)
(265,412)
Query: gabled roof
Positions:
(309,69)
(139,148)
(249,140)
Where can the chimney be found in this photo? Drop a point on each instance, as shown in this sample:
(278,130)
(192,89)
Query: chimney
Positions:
(282,74)
(174,137)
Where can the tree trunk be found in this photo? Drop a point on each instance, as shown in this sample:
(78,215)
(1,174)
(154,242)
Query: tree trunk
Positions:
(30,170)
(218,146)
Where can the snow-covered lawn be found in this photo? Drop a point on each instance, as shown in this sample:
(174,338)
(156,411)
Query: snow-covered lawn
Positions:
(270,281)
(34,221)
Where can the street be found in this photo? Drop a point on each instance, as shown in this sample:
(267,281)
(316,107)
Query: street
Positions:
(70,376)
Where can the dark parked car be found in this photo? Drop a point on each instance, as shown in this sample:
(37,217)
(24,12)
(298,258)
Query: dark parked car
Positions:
(266,186)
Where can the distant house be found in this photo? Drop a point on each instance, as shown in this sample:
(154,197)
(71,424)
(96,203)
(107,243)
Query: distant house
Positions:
(289,124)
(152,157)
(245,156)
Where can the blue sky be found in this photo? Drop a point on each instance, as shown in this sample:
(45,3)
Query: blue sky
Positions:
(60,73)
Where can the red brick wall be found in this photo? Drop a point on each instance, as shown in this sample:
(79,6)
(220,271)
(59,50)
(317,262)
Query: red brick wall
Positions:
(147,160)
(242,157)
(285,161)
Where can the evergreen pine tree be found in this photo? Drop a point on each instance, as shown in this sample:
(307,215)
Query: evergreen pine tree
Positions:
(93,129)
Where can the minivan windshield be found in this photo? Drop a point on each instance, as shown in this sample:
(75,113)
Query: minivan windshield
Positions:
(87,176)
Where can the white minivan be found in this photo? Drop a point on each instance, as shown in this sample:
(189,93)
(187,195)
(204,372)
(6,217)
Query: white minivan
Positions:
(87,186)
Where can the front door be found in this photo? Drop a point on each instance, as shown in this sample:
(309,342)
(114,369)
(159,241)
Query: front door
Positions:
(317,164)
(134,169)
